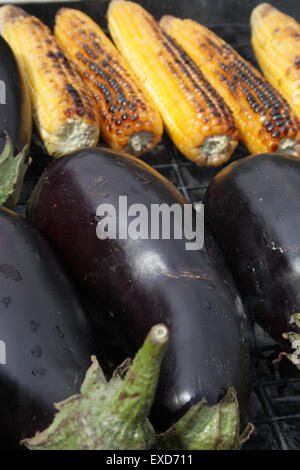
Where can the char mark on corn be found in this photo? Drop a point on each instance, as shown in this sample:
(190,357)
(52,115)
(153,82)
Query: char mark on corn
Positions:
(263,117)
(129,119)
(64,109)
(195,116)
(276,43)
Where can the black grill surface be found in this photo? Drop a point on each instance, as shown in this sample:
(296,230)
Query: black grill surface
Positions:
(275,404)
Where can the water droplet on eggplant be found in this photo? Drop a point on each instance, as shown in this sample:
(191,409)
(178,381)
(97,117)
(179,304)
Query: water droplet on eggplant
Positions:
(205,304)
(6,301)
(36,351)
(39,371)
(34,325)
(59,332)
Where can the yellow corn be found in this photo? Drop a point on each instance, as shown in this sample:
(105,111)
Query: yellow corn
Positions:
(130,120)
(195,116)
(64,109)
(264,119)
(276,43)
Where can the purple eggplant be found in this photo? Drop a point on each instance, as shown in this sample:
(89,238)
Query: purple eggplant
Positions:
(142,282)
(45,339)
(253,209)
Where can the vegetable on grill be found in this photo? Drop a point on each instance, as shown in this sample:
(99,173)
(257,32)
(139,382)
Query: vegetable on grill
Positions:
(276,43)
(129,119)
(15,127)
(45,347)
(143,282)
(109,415)
(195,116)
(253,211)
(46,342)
(64,109)
(264,119)
(114,415)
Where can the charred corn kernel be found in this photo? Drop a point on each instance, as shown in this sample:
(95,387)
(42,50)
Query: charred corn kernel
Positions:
(64,109)
(264,119)
(130,121)
(276,43)
(196,118)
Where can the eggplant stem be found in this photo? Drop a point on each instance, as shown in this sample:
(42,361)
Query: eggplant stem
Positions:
(114,415)
(141,379)
(109,415)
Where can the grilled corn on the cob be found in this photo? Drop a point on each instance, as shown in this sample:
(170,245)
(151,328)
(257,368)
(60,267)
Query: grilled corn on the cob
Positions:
(196,118)
(64,109)
(264,119)
(276,43)
(130,120)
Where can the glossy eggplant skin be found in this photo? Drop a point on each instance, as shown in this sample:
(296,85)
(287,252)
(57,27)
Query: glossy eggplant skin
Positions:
(253,207)
(143,282)
(15,107)
(48,341)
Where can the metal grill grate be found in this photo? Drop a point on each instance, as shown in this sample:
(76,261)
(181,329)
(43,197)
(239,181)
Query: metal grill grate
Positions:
(275,404)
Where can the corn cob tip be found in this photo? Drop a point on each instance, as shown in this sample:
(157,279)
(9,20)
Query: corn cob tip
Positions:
(215,150)
(111,4)
(258,14)
(263,8)
(9,13)
(115,1)
(166,22)
(139,143)
(289,146)
(61,11)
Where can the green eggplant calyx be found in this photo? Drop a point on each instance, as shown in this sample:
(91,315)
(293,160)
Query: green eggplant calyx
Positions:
(109,415)
(114,415)
(205,427)
(12,172)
